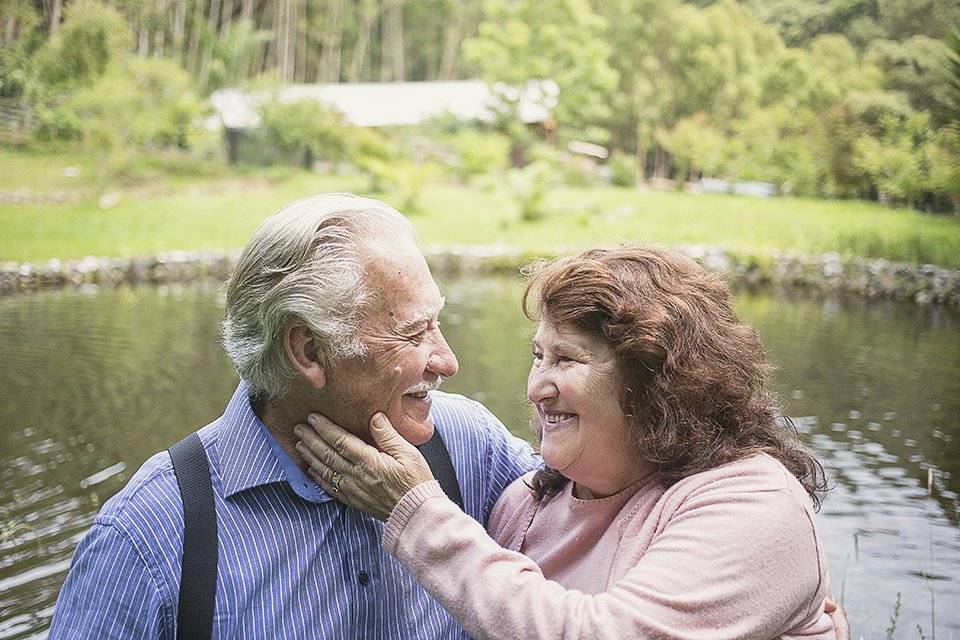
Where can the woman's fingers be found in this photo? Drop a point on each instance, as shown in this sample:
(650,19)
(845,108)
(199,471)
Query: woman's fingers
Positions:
(342,441)
(318,453)
(357,474)
(347,491)
(387,438)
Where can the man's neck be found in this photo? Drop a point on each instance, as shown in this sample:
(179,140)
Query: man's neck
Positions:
(280,418)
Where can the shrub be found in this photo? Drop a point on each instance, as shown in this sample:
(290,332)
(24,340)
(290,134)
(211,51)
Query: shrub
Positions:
(623,169)
(92,38)
(405,177)
(530,186)
(145,103)
(479,153)
(306,127)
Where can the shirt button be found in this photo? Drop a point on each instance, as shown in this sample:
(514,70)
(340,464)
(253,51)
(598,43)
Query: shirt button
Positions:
(363,578)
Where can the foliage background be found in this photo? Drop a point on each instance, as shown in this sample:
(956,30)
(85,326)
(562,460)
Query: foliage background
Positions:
(822,98)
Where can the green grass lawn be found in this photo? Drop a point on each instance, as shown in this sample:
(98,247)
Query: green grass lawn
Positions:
(197,207)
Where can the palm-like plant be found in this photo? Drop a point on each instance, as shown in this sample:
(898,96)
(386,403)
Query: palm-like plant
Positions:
(951,73)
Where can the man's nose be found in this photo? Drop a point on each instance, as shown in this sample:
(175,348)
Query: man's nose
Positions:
(442,361)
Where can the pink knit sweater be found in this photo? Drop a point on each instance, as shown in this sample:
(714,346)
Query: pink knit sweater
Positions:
(729,553)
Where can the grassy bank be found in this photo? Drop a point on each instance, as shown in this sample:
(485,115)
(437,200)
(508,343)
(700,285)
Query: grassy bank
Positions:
(169,206)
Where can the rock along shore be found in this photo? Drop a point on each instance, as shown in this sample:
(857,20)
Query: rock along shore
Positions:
(830,272)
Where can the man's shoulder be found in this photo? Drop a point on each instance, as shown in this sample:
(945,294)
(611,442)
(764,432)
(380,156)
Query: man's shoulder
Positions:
(471,431)
(151,498)
(453,411)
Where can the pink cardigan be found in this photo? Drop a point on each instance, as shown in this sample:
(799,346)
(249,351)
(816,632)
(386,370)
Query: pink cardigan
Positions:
(728,553)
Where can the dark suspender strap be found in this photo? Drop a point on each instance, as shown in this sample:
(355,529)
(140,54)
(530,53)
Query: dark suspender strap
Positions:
(198,571)
(435,451)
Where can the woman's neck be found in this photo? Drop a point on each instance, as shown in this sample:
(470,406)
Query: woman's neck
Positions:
(610,484)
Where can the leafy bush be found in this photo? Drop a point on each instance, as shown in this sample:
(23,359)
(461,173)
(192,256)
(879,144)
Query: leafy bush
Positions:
(144,103)
(405,177)
(479,153)
(565,168)
(895,161)
(623,169)
(530,186)
(92,38)
(305,126)
(16,52)
(57,123)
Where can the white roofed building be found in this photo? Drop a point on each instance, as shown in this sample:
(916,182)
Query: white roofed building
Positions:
(389,104)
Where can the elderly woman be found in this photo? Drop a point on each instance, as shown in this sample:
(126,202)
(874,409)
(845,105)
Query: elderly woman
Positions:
(674,502)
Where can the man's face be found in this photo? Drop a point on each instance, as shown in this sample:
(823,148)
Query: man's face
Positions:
(406,353)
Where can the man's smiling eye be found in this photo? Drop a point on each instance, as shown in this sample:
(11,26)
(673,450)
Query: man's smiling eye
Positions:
(420,336)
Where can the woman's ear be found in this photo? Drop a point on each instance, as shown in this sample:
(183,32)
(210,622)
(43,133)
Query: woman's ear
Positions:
(302,350)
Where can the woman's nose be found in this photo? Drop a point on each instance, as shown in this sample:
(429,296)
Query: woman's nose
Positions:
(540,387)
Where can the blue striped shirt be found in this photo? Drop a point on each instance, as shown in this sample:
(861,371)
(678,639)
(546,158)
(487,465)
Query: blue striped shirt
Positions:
(293,562)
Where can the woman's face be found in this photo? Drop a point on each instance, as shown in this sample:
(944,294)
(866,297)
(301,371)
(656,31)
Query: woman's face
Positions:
(574,386)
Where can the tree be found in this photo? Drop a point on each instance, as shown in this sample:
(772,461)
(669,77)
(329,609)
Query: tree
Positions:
(560,40)
(912,66)
(93,36)
(21,37)
(950,75)
(235,54)
(897,160)
(943,152)
(695,145)
(306,127)
(139,104)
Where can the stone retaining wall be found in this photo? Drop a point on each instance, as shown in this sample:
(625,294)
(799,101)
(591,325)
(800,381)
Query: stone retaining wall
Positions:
(830,272)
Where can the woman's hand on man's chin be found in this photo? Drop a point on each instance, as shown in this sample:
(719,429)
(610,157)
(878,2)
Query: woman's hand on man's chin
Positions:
(357,474)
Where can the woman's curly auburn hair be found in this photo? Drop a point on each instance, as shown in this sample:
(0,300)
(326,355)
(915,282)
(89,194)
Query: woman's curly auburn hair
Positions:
(695,377)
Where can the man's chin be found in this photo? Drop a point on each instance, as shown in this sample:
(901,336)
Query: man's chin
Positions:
(416,433)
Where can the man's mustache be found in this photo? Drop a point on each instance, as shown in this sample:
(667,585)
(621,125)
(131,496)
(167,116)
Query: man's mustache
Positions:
(422,386)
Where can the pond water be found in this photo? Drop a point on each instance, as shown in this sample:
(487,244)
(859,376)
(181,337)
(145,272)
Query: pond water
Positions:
(94,382)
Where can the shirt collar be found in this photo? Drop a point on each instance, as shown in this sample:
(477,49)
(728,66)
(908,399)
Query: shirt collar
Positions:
(250,456)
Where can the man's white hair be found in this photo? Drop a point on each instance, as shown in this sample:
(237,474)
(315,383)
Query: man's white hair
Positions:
(304,264)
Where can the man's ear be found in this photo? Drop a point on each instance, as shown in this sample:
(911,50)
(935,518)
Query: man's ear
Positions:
(301,348)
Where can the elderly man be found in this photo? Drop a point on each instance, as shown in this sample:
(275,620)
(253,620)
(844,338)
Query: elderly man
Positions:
(331,309)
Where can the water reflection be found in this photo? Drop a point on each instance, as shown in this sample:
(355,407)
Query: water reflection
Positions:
(94,382)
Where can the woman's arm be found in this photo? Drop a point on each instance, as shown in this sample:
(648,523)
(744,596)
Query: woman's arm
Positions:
(726,566)
(729,561)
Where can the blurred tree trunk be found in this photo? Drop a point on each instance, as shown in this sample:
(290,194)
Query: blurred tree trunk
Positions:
(328,69)
(159,42)
(661,166)
(179,24)
(10,30)
(213,22)
(285,41)
(300,49)
(391,47)
(227,19)
(55,9)
(368,16)
(268,17)
(452,41)
(194,46)
(143,42)
(246,9)
(640,160)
